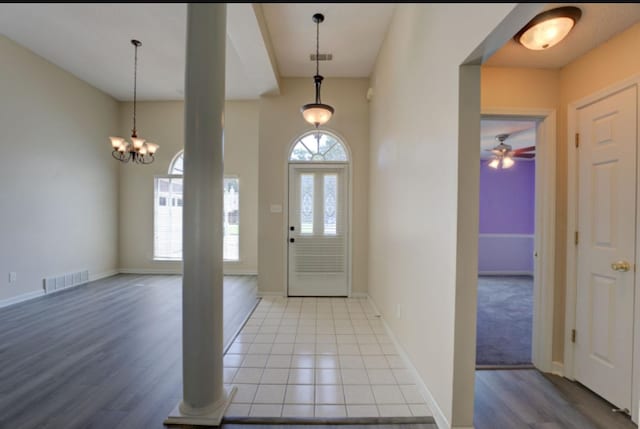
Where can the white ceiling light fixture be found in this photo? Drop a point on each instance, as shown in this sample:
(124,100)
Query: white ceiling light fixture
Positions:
(317,113)
(547,29)
(138,151)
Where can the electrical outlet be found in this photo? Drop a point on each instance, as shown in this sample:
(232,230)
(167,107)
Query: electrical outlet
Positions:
(13,277)
(398,311)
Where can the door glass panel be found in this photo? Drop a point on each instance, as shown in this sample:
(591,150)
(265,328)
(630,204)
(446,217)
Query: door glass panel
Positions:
(306,203)
(330,203)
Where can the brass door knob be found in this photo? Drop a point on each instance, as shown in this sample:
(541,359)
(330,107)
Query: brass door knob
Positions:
(621,266)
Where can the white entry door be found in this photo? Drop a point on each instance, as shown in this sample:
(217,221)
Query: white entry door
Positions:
(318,236)
(606,249)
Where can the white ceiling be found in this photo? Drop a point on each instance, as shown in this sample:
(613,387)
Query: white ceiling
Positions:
(352,32)
(521,134)
(599,23)
(92,42)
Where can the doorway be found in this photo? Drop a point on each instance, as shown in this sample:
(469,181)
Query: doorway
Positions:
(318,213)
(506,243)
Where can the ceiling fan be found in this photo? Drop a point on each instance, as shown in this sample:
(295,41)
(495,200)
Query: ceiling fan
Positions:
(504,153)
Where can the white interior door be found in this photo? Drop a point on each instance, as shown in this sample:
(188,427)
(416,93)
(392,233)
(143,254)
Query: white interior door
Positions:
(318,236)
(606,225)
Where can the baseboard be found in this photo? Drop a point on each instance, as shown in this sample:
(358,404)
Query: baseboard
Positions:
(164,271)
(21,298)
(441,420)
(359,295)
(170,271)
(263,293)
(557,368)
(505,273)
(234,272)
(103,275)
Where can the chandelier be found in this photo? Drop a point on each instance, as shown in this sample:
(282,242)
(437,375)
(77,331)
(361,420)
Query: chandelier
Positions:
(139,150)
(317,113)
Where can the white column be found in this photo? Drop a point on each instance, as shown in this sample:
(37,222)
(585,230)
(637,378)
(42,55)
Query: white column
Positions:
(204,397)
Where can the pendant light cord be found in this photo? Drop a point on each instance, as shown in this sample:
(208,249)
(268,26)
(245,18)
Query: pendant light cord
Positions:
(317,78)
(318,47)
(135,78)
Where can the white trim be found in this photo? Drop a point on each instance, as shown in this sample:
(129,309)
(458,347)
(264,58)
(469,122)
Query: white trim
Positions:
(359,295)
(211,417)
(505,273)
(572,225)
(240,272)
(265,293)
(544,236)
(166,271)
(491,235)
(438,415)
(103,275)
(21,298)
(557,368)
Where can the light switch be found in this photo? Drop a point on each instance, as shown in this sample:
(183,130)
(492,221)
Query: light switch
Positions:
(13,276)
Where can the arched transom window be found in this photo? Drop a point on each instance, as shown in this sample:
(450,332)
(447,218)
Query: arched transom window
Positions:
(177,164)
(319,146)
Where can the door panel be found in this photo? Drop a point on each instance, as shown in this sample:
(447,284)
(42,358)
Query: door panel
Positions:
(318,236)
(606,224)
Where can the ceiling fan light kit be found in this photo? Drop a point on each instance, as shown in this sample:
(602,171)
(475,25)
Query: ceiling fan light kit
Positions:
(317,113)
(504,154)
(548,28)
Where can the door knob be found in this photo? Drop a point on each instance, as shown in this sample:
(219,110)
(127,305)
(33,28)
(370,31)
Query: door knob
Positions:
(621,266)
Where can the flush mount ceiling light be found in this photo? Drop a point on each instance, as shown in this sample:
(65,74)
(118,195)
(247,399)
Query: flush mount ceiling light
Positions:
(548,28)
(139,150)
(317,113)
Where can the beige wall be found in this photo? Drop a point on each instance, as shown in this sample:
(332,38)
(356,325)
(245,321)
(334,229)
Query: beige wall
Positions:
(58,203)
(414,190)
(163,123)
(536,88)
(280,123)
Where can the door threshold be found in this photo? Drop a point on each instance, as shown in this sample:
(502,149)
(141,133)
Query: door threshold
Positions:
(494,367)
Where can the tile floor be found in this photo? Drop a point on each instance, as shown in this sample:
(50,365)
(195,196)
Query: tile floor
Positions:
(318,357)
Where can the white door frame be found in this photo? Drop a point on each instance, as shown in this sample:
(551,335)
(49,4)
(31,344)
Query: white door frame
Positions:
(572,225)
(285,207)
(544,241)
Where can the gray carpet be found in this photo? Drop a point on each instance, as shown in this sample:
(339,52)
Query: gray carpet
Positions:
(505,317)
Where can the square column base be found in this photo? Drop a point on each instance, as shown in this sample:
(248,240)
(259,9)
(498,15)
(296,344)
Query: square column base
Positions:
(213,418)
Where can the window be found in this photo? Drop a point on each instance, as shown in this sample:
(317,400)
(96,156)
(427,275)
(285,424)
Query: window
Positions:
(168,202)
(318,146)
(231,242)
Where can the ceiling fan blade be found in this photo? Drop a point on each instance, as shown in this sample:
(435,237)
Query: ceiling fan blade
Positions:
(523,155)
(525,149)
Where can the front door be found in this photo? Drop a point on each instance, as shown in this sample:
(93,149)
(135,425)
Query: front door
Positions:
(606,249)
(318,236)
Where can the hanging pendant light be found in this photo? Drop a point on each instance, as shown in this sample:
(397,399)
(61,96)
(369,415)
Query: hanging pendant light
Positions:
(139,150)
(317,113)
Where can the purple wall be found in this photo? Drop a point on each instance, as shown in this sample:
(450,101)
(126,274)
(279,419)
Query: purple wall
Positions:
(507,199)
(507,219)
